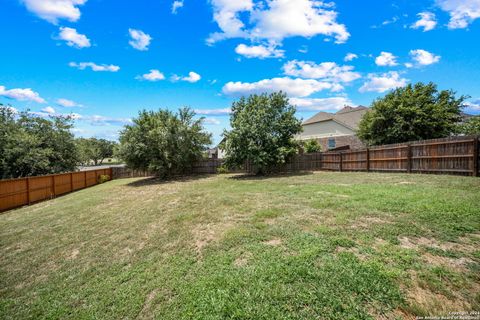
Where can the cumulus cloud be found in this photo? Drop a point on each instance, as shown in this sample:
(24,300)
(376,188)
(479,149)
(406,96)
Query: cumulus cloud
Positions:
(73,38)
(211,121)
(423,57)
(383,82)
(68,103)
(473,105)
(293,87)
(26,94)
(139,39)
(176,5)
(213,112)
(350,57)
(328,71)
(275,20)
(259,51)
(321,104)
(48,110)
(98,120)
(462,12)
(54,10)
(95,67)
(192,77)
(427,21)
(386,59)
(153,75)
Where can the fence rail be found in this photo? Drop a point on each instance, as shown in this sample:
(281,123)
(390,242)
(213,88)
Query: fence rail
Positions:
(454,155)
(23,191)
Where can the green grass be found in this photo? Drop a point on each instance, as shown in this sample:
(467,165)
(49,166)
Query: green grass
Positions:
(311,246)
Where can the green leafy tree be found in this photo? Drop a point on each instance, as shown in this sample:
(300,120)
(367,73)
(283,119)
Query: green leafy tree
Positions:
(263,130)
(471,126)
(415,112)
(164,142)
(95,150)
(32,145)
(311,146)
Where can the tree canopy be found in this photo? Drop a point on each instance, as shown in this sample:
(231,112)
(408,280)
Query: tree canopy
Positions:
(164,142)
(94,150)
(311,146)
(263,130)
(32,145)
(415,112)
(471,126)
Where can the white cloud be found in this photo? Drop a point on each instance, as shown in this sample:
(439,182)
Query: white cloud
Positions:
(427,21)
(383,82)
(321,104)
(211,121)
(192,77)
(176,5)
(462,12)
(386,59)
(54,10)
(98,120)
(275,20)
(213,112)
(139,39)
(293,87)
(95,67)
(153,75)
(350,57)
(473,105)
(423,57)
(259,51)
(68,103)
(49,110)
(329,71)
(73,38)
(21,94)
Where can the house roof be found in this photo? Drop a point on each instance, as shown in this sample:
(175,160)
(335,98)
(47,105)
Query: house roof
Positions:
(348,116)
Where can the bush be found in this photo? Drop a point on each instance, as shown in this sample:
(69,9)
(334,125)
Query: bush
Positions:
(103,178)
(263,131)
(415,112)
(163,142)
(311,146)
(222,170)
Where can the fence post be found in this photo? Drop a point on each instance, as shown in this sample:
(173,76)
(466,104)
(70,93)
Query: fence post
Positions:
(28,190)
(475,157)
(368,160)
(71,181)
(409,158)
(85,178)
(341,161)
(53,186)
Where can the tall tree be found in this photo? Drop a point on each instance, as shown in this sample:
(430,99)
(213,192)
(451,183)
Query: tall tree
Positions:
(164,142)
(263,130)
(32,145)
(96,150)
(471,126)
(415,112)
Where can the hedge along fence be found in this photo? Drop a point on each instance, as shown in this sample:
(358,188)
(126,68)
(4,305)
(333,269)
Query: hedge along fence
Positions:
(23,191)
(454,155)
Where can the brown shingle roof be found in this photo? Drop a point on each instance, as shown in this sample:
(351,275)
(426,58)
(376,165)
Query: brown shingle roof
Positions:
(348,116)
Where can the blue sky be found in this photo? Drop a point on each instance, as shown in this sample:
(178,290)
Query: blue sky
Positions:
(104,60)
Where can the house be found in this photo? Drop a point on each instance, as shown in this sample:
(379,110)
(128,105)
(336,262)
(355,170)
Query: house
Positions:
(334,130)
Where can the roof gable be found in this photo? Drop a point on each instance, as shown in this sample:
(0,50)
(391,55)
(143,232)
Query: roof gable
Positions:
(348,116)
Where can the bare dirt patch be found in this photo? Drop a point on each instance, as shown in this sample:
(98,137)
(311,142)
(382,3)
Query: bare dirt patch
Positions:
(459,264)
(273,242)
(417,243)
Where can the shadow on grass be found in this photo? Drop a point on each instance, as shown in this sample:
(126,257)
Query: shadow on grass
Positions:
(272,175)
(149,181)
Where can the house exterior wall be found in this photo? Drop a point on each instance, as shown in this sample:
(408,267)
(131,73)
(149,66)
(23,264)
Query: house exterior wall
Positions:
(350,140)
(324,129)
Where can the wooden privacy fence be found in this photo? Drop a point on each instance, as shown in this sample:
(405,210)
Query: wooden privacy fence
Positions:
(455,155)
(19,192)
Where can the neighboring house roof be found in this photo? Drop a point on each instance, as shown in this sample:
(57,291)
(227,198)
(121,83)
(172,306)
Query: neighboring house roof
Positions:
(348,116)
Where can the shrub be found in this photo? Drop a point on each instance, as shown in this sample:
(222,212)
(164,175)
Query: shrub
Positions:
(103,178)
(311,146)
(222,170)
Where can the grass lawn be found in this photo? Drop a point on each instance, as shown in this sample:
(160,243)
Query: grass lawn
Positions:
(322,245)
